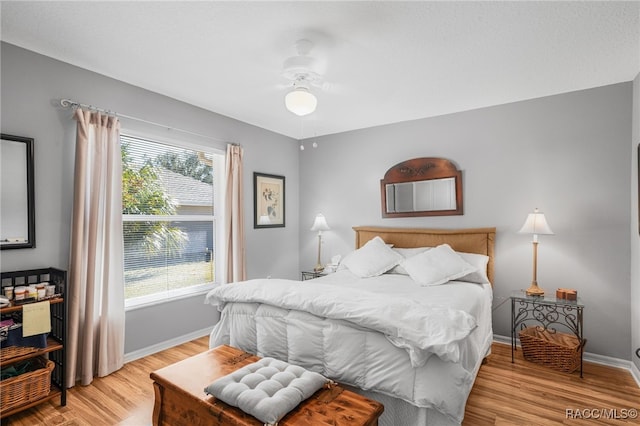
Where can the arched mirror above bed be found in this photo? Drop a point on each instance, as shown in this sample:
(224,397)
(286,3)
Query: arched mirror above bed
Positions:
(426,186)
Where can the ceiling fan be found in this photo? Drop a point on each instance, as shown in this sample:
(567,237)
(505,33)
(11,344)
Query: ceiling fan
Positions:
(300,70)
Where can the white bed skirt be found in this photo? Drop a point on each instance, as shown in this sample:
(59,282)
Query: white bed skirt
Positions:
(399,412)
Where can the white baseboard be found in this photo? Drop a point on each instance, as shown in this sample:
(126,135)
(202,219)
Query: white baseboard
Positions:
(635,373)
(501,339)
(594,358)
(150,350)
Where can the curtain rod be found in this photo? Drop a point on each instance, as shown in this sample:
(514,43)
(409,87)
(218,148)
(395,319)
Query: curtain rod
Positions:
(68,103)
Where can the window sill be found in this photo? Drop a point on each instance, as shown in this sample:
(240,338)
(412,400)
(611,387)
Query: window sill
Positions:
(170,296)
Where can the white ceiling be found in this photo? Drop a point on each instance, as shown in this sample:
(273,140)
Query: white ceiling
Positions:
(382,62)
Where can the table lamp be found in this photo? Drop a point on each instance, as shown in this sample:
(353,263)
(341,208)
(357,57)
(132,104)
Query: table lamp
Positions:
(319,224)
(535,224)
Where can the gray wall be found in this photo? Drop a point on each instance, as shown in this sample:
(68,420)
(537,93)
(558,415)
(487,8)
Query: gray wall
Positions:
(32,85)
(635,235)
(567,155)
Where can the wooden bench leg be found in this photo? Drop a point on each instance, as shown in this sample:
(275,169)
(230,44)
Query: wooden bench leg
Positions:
(157,405)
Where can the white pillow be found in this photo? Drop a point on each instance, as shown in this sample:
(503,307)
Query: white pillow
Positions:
(437,266)
(478,261)
(406,253)
(372,259)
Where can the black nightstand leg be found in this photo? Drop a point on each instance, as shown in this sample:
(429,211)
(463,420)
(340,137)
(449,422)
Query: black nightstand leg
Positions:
(513,329)
(581,337)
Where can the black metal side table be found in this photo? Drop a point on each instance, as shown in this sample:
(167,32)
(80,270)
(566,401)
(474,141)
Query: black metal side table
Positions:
(546,312)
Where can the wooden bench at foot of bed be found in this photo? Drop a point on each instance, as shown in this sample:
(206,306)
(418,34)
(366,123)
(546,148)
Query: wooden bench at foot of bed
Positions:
(180,398)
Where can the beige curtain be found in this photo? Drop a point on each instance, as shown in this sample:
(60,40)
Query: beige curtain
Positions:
(96,298)
(234,216)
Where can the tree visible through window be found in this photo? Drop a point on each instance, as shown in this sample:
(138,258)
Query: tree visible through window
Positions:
(168,219)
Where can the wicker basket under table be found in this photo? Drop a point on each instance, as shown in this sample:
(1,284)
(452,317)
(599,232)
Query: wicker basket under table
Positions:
(27,387)
(560,351)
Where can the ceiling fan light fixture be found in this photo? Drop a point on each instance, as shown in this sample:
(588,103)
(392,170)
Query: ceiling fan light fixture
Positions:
(301,101)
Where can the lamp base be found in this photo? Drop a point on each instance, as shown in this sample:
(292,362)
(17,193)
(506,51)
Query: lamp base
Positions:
(318,268)
(534,290)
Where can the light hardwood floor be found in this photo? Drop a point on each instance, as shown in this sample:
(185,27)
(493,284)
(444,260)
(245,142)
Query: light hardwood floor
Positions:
(504,394)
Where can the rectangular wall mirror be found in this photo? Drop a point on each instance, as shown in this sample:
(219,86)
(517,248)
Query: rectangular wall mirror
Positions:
(17,203)
(426,195)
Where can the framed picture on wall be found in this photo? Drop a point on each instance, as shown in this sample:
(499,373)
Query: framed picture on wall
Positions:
(268,201)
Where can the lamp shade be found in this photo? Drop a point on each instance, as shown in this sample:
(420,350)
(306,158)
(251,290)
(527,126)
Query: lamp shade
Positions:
(320,223)
(536,224)
(300,101)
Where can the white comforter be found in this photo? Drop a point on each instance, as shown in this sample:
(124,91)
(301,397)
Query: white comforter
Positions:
(375,333)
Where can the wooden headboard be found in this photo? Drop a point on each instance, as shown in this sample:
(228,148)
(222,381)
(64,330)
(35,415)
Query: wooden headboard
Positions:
(472,240)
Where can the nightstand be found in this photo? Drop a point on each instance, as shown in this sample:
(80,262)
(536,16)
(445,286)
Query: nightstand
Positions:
(309,275)
(546,313)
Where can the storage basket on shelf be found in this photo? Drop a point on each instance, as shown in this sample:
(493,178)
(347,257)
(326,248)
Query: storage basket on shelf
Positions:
(13,344)
(13,336)
(15,351)
(27,387)
(559,351)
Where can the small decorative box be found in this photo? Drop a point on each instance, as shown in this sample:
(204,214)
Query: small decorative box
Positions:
(567,294)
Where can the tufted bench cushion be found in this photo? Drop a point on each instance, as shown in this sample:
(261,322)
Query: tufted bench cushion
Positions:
(267,389)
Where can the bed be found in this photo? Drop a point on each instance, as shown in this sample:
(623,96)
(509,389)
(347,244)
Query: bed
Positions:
(412,336)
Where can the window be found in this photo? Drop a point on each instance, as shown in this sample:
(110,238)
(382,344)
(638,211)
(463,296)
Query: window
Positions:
(169,221)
